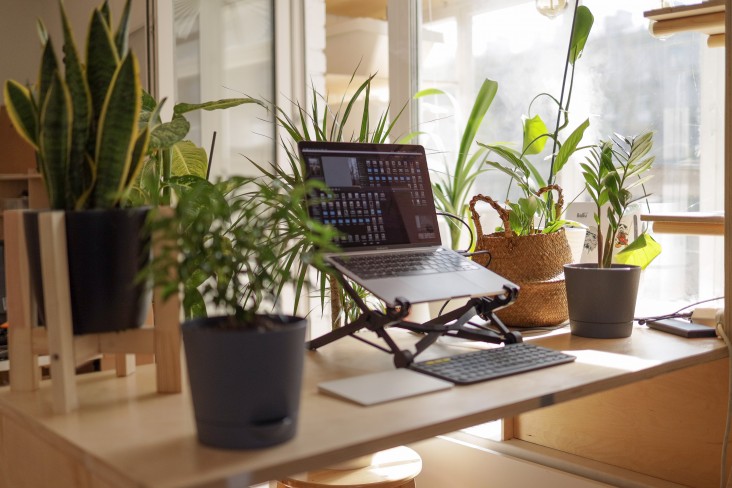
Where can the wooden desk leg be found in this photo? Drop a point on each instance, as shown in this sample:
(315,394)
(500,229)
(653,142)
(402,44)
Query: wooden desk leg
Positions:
(166,315)
(24,373)
(54,263)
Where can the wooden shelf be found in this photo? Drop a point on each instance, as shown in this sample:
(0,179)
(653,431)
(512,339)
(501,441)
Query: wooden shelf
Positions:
(706,18)
(696,223)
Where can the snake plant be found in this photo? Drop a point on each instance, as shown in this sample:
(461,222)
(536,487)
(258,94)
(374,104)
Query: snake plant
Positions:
(81,116)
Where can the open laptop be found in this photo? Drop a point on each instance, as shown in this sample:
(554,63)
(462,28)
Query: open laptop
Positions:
(381,202)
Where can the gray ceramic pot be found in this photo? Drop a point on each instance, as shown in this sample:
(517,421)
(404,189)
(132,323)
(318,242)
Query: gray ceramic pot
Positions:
(601,301)
(245,383)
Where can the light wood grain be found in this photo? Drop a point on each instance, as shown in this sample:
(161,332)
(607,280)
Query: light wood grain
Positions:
(155,443)
(669,427)
(20,305)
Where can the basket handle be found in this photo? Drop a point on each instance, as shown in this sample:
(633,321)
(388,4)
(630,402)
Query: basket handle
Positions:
(560,197)
(502,213)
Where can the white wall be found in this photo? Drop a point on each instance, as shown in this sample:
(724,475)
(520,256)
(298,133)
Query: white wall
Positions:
(20,48)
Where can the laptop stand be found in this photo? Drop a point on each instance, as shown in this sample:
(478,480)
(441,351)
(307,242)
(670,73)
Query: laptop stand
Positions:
(450,324)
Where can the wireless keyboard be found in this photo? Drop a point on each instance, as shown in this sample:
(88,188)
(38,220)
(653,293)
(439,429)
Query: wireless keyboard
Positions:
(488,364)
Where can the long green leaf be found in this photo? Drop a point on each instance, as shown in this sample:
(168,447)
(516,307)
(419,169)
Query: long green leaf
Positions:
(117,133)
(55,142)
(182,108)
(122,35)
(482,103)
(79,177)
(21,111)
(101,60)
(569,146)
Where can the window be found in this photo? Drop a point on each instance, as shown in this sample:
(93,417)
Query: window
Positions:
(625,82)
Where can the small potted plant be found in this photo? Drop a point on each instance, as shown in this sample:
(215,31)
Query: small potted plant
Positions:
(81,118)
(244,362)
(601,296)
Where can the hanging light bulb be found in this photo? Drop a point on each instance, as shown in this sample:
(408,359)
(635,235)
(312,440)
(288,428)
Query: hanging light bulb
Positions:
(551,8)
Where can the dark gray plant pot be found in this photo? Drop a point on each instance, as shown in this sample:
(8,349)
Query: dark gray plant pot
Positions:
(245,383)
(601,302)
(107,249)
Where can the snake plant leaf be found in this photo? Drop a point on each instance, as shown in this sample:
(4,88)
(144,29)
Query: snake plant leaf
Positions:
(117,133)
(137,158)
(21,111)
(106,14)
(189,159)
(534,129)
(122,35)
(55,142)
(101,60)
(81,109)
(49,65)
(581,31)
(169,133)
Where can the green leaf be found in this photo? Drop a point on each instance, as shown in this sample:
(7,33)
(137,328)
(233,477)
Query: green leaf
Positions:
(55,142)
(534,135)
(482,103)
(169,133)
(641,252)
(21,111)
(570,146)
(428,92)
(581,31)
(122,35)
(182,108)
(79,175)
(189,159)
(49,65)
(117,133)
(101,61)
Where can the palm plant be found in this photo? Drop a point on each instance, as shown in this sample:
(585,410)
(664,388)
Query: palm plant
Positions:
(452,189)
(320,123)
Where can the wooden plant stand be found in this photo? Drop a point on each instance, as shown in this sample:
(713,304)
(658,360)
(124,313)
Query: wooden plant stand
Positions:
(27,341)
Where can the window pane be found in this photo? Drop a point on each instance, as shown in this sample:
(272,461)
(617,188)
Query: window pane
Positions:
(225,50)
(626,82)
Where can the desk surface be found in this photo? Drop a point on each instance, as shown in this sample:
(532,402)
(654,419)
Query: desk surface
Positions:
(129,435)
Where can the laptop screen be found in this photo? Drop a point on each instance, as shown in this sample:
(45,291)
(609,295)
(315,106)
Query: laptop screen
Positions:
(380,194)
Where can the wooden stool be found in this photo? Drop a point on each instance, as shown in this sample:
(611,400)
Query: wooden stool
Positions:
(393,468)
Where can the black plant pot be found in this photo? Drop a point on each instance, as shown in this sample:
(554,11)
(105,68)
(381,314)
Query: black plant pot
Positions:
(245,382)
(107,249)
(601,301)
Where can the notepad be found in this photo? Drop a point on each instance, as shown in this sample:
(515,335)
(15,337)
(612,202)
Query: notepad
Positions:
(384,386)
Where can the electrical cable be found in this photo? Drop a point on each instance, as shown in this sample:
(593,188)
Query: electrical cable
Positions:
(677,314)
(453,216)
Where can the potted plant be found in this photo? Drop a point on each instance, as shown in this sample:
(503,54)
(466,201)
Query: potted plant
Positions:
(244,363)
(81,117)
(601,296)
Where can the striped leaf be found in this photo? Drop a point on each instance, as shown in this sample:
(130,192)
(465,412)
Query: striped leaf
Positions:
(81,110)
(55,142)
(49,65)
(122,35)
(117,133)
(21,111)
(101,60)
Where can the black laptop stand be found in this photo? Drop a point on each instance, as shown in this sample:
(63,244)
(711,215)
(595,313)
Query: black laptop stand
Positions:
(450,324)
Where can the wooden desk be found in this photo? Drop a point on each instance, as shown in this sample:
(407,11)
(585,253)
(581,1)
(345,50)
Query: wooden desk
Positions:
(127,435)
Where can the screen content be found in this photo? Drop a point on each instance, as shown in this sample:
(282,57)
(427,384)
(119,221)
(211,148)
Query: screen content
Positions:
(377,197)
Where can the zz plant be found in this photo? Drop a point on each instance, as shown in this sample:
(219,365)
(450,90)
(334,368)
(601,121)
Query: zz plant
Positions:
(81,117)
(614,169)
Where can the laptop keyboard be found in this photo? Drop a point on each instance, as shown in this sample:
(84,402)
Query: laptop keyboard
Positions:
(488,364)
(384,265)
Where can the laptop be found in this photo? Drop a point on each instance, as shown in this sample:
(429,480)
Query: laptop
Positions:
(380,200)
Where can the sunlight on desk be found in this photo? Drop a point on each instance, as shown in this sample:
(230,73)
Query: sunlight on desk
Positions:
(612,360)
